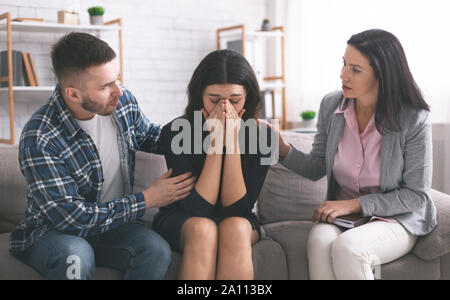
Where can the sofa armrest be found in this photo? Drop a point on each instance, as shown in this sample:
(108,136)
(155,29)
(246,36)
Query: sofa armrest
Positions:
(4,226)
(7,224)
(436,243)
(13,188)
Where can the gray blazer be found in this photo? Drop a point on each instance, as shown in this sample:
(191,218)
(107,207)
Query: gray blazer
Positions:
(406,166)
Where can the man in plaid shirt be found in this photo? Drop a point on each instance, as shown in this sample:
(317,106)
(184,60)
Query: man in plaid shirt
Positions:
(77,154)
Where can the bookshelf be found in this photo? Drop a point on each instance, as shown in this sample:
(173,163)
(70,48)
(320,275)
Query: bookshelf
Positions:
(29,94)
(276,84)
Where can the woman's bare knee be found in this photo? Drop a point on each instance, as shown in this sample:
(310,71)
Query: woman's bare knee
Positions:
(199,231)
(236,232)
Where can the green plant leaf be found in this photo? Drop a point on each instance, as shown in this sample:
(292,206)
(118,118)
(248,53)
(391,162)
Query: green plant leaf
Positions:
(308,115)
(96,11)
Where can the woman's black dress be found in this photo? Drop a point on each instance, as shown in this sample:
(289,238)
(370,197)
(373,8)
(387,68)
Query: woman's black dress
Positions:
(169,220)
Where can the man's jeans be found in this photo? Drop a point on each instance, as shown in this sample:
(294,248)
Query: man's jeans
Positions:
(137,251)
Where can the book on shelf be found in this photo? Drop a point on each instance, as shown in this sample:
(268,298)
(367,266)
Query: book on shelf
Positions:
(29,78)
(24,69)
(33,69)
(17,60)
(351,221)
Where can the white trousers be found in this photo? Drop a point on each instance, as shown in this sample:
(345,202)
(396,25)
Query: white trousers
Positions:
(355,254)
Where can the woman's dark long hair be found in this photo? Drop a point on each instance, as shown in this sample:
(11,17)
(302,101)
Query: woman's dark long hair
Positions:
(397,87)
(224,67)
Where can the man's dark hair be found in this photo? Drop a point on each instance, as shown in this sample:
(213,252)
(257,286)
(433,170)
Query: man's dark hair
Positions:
(77,51)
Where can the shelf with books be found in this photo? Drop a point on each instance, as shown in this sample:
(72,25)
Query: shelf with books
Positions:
(11,89)
(23,68)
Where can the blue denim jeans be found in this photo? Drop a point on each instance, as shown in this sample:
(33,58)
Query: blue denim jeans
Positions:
(137,251)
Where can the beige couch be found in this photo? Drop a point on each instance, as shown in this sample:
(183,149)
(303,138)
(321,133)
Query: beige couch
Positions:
(284,207)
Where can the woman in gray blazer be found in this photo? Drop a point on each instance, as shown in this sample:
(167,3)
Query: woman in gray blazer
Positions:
(374,144)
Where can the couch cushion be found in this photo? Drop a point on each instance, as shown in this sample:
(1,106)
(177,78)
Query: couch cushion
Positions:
(292,236)
(6,226)
(148,168)
(445,267)
(12,188)
(437,243)
(269,261)
(410,267)
(11,267)
(287,196)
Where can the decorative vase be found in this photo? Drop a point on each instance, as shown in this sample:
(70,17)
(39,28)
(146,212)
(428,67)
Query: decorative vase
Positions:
(96,20)
(308,123)
(266,26)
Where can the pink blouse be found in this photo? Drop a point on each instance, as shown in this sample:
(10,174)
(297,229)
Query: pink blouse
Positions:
(357,162)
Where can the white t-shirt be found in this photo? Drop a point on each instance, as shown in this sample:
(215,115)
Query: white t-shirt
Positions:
(102,131)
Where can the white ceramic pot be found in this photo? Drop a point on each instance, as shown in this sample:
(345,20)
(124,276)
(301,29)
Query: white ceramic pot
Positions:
(308,123)
(266,27)
(96,20)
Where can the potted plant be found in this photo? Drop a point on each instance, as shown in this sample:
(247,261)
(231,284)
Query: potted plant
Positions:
(96,15)
(308,118)
(266,25)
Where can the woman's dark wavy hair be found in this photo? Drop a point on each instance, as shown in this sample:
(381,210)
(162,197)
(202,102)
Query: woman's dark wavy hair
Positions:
(397,87)
(224,67)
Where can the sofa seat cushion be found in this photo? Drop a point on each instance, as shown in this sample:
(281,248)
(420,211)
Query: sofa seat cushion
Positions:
(410,267)
(11,267)
(445,267)
(287,196)
(437,243)
(292,236)
(269,261)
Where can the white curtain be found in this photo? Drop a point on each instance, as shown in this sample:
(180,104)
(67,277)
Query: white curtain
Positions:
(317,32)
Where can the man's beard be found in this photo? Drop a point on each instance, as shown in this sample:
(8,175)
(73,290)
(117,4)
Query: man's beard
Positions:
(93,107)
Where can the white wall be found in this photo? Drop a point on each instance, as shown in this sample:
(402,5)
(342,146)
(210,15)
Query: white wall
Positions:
(318,31)
(164,40)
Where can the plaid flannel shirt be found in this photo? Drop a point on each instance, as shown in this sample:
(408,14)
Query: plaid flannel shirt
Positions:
(64,174)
